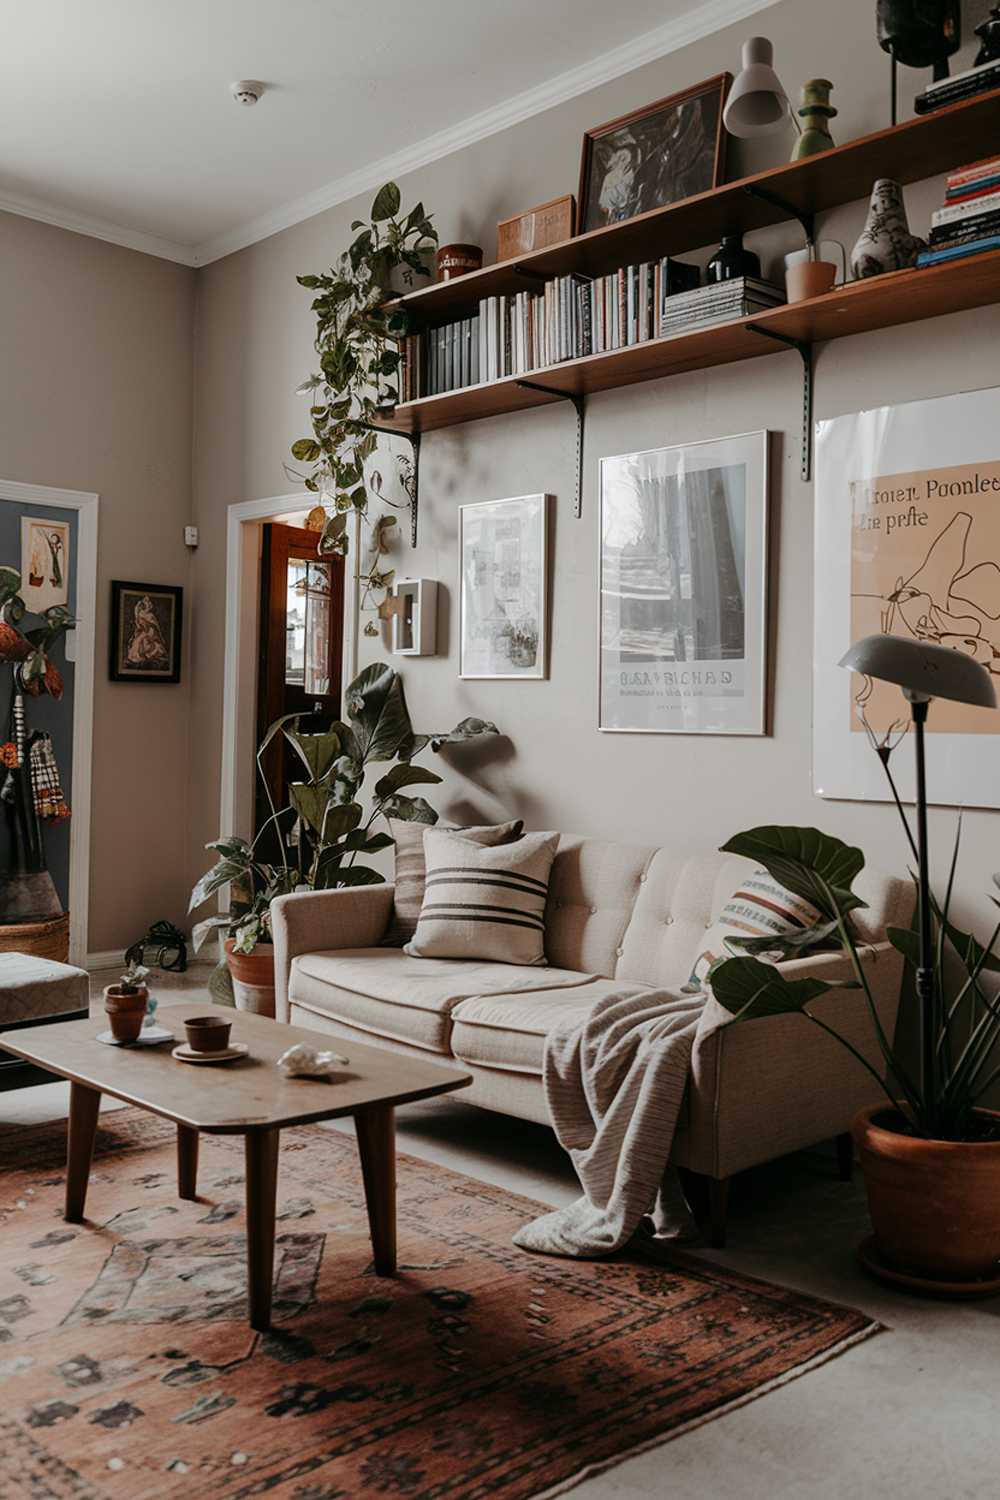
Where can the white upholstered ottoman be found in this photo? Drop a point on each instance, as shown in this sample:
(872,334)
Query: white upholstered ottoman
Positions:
(34,990)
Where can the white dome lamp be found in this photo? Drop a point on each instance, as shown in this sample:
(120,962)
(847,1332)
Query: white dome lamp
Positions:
(757,103)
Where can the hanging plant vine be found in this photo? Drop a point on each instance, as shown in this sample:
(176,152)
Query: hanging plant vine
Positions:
(357,341)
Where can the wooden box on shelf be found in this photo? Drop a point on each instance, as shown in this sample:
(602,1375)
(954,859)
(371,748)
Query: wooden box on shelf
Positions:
(414,626)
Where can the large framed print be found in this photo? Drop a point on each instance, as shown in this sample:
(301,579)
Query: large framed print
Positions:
(504,587)
(907,542)
(683,588)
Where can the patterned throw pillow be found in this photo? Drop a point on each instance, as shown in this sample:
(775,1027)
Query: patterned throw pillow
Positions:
(484,903)
(410,869)
(759,908)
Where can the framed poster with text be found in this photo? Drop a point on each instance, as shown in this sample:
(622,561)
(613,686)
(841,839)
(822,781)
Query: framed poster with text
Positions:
(683,588)
(907,542)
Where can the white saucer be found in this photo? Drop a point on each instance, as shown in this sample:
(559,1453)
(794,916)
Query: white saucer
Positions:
(184,1053)
(149,1036)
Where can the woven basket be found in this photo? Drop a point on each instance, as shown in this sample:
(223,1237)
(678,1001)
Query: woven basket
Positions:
(41,939)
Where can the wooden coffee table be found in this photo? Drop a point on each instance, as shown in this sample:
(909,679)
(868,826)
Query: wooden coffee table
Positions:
(248,1097)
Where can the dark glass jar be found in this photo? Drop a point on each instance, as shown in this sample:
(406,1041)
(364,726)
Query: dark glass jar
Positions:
(731,260)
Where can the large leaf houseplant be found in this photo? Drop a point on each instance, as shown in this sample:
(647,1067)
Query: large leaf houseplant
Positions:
(931,1148)
(325,829)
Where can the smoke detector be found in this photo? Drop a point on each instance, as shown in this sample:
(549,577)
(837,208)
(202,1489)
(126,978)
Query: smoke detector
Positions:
(247,91)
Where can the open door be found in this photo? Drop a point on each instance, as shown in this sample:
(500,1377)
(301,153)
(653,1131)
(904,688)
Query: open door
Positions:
(301,648)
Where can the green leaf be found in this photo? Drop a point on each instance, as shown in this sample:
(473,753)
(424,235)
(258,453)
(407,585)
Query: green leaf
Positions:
(309,281)
(232,848)
(316,806)
(274,729)
(811,864)
(10,584)
(220,985)
(751,990)
(316,751)
(224,873)
(405,775)
(371,843)
(378,713)
(789,944)
(386,202)
(410,809)
(306,450)
(357,224)
(201,930)
(359,875)
(467,729)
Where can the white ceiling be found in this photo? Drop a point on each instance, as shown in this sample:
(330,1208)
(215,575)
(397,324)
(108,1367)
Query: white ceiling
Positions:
(116,117)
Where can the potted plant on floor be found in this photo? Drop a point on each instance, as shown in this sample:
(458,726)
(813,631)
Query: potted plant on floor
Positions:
(324,828)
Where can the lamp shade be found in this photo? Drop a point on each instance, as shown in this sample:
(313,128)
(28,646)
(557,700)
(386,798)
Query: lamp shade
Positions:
(922,669)
(757,103)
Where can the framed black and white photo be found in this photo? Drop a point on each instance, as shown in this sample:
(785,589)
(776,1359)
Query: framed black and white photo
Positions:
(145,632)
(653,156)
(504,587)
(683,588)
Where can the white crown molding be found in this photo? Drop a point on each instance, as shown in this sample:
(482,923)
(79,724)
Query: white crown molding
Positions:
(705,17)
(98,229)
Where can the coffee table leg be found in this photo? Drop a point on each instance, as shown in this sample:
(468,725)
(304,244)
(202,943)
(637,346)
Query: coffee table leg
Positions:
(187,1162)
(376,1127)
(84,1104)
(262,1182)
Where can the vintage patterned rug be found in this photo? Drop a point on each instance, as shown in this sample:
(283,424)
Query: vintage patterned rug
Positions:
(127,1369)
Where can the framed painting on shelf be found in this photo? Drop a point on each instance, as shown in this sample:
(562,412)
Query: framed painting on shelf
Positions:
(145,632)
(683,588)
(907,542)
(653,156)
(504,588)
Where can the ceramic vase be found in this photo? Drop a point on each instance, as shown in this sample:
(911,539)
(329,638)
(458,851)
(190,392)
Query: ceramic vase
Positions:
(815,112)
(885,243)
(732,260)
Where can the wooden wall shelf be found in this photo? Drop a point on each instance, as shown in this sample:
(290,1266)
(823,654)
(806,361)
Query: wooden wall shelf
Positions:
(918,148)
(858,307)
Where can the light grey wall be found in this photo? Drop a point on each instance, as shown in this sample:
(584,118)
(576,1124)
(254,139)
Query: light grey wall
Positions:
(254,343)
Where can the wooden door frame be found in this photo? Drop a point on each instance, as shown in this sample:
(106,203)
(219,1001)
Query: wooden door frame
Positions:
(85,503)
(244,524)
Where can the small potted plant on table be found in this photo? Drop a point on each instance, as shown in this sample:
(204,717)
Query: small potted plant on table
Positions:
(126,1002)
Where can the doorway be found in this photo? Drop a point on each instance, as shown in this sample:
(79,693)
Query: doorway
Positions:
(301,613)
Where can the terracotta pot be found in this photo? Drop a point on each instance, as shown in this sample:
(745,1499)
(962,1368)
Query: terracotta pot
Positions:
(253,978)
(809,278)
(457,260)
(125,1013)
(935,1205)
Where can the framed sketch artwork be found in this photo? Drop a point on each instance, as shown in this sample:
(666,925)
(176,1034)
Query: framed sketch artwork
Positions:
(145,632)
(504,587)
(683,588)
(907,543)
(653,156)
(44,563)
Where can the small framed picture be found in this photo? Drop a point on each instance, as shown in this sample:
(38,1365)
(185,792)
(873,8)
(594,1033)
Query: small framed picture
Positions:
(44,563)
(146,632)
(504,588)
(667,151)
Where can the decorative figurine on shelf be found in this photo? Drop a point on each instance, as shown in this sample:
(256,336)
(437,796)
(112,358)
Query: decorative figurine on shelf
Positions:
(885,243)
(815,112)
(169,947)
(988,32)
(919,34)
(732,260)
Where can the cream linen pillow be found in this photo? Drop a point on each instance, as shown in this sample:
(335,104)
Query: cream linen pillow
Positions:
(759,908)
(410,871)
(484,903)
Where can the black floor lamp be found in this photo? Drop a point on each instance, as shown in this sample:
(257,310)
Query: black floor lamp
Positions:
(923,672)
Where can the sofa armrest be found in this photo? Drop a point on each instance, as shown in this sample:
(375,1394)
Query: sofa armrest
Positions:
(763,1088)
(317,921)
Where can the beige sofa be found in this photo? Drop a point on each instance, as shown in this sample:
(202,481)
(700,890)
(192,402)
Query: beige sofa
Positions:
(616,913)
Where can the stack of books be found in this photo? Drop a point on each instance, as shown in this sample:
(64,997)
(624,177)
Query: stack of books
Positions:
(960,86)
(441,359)
(969,222)
(722,302)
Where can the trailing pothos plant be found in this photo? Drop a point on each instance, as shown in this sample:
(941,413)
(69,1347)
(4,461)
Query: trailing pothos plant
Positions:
(325,832)
(357,341)
(822,870)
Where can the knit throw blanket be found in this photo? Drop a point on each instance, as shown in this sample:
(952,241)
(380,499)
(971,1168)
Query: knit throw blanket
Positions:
(614,1086)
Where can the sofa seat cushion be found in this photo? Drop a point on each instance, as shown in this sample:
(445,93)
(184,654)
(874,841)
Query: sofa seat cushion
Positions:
(508,1031)
(388,993)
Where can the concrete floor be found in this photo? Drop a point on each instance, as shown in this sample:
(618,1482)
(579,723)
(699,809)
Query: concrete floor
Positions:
(908,1415)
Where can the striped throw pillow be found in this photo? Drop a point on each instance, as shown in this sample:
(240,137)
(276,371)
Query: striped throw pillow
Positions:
(484,903)
(760,908)
(411,871)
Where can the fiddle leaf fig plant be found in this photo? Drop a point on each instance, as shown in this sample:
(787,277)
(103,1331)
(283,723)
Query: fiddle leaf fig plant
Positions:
(357,343)
(325,829)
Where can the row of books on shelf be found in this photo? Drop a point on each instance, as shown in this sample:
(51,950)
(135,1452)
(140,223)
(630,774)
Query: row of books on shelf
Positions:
(958,86)
(969,220)
(571,317)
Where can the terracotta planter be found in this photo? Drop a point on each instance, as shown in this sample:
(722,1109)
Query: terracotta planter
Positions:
(253,978)
(935,1205)
(125,1013)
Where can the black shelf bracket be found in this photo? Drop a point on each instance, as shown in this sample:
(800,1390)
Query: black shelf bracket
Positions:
(578,407)
(412,485)
(808,221)
(806,354)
